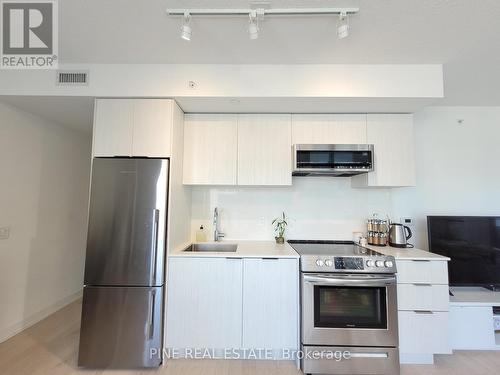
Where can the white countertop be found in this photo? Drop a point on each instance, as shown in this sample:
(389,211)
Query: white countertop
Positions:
(407,253)
(246,249)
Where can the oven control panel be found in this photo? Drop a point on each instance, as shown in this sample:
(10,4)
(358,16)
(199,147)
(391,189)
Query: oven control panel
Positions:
(349,263)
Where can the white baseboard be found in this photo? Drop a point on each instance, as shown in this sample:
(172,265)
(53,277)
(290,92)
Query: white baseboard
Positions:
(14,329)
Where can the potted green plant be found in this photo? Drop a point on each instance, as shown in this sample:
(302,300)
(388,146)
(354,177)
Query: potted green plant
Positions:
(280,224)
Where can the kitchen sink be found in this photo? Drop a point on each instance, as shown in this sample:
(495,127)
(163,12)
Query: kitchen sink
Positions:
(213,247)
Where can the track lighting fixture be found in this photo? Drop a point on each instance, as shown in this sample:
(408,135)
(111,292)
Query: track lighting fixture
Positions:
(186,30)
(256,14)
(343,26)
(253,26)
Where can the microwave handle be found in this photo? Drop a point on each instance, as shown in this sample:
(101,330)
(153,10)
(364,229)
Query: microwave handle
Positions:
(340,280)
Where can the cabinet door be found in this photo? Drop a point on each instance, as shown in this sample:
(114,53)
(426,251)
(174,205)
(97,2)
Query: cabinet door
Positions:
(270,303)
(329,128)
(264,150)
(210,149)
(204,303)
(471,328)
(392,136)
(113,127)
(152,128)
(423,332)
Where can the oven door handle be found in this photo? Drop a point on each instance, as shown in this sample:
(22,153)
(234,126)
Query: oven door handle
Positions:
(343,280)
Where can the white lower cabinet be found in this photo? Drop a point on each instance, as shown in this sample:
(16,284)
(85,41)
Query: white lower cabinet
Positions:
(425,297)
(472,328)
(270,303)
(423,332)
(204,303)
(422,272)
(423,305)
(232,304)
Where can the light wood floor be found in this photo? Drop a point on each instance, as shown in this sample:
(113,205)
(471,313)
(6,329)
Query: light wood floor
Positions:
(50,348)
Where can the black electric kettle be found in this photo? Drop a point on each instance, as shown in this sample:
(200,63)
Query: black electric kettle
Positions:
(399,235)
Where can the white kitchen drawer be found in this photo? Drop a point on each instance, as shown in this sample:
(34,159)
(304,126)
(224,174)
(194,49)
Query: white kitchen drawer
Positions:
(423,297)
(422,271)
(423,332)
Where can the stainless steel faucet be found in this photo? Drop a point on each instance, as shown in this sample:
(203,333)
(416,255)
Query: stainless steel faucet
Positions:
(217,234)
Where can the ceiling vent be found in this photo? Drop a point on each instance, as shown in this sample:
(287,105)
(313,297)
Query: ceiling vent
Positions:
(72,78)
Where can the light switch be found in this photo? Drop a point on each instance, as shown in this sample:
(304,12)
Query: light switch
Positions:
(4,233)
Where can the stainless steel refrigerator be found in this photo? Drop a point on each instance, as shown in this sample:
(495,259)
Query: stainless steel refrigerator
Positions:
(122,313)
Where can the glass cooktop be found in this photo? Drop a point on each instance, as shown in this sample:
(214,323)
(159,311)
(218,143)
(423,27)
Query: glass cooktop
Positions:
(333,248)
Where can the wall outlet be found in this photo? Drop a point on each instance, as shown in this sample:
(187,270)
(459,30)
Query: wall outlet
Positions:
(406,220)
(4,233)
(262,221)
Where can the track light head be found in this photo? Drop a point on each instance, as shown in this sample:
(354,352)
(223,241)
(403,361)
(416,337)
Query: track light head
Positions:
(343,25)
(253,26)
(186,30)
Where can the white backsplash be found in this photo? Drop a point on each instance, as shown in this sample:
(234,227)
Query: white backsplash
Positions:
(317,207)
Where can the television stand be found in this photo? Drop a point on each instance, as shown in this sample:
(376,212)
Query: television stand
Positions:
(473,311)
(493,288)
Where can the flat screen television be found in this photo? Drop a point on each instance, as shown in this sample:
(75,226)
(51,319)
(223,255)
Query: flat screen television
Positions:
(473,245)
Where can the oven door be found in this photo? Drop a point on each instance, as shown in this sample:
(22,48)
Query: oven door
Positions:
(352,310)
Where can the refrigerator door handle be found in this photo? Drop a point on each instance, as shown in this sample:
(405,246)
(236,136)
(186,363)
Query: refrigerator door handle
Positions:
(154,244)
(152,305)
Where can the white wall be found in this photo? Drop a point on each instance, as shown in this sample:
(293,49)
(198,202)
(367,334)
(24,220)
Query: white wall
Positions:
(318,207)
(43,199)
(458,166)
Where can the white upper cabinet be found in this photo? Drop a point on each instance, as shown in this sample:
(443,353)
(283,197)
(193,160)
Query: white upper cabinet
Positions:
(152,128)
(329,128)
(392,137)
(264,149)
(210,149)
(133,127)
(113,127)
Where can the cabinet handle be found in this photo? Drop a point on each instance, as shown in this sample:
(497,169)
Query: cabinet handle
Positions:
(270,258)
(423,312)
(234,258)
(420,260)
(422,284)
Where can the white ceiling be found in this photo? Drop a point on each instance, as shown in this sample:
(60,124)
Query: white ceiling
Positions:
(464,35)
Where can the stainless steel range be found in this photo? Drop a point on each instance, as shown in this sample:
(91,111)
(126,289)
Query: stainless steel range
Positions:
(349,319)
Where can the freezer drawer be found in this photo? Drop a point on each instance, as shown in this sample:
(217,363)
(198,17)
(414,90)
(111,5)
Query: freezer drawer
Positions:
(121,327)
(127,221)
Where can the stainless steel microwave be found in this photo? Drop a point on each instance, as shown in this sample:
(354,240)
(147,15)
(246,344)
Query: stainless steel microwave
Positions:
(332,159)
